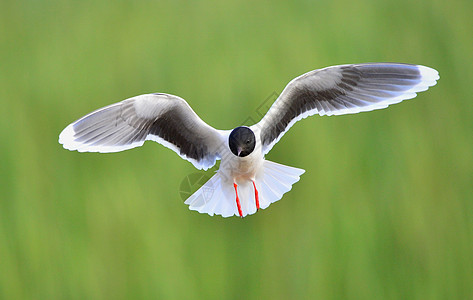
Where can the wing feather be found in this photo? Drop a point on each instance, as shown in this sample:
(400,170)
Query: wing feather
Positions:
(163,118)
(344,89)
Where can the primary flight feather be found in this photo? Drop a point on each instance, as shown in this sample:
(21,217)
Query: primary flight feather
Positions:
(245,181)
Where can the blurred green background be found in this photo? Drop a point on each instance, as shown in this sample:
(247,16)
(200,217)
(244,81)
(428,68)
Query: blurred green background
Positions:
(384,211)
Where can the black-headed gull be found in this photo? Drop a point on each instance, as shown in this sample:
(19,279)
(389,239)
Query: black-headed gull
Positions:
(245,181)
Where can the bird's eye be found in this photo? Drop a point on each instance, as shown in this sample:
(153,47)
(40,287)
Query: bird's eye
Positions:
(247,141)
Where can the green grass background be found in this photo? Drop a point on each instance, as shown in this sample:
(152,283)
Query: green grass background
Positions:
(384,211)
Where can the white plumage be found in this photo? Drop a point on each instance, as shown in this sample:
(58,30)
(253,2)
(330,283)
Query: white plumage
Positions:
(245,181)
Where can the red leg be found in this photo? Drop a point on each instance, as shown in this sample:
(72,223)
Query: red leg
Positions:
(237,200)
(256,196)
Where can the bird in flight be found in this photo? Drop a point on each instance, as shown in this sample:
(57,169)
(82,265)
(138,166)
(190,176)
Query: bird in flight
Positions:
(245,182)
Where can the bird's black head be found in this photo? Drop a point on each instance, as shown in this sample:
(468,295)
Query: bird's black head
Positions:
(242,141)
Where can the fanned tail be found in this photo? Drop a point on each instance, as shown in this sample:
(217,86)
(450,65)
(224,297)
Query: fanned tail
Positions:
(217,196)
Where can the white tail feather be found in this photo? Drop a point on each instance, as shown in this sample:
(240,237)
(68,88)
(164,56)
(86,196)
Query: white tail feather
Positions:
(217,196)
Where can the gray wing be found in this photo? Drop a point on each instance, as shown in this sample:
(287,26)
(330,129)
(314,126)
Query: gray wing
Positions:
(163,118)
(339,90)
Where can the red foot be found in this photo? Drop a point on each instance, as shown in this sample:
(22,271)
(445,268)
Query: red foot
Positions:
(256,196)
(237,200)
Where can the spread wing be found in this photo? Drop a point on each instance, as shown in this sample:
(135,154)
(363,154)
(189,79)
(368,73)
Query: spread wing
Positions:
(163,118)
(339,90)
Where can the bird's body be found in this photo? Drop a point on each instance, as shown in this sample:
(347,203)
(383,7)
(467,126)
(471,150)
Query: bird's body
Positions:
(245,181)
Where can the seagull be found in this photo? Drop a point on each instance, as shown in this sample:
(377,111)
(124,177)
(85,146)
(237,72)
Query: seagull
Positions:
(245,181)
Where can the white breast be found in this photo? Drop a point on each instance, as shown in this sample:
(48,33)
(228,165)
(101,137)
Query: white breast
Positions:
(241,168)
